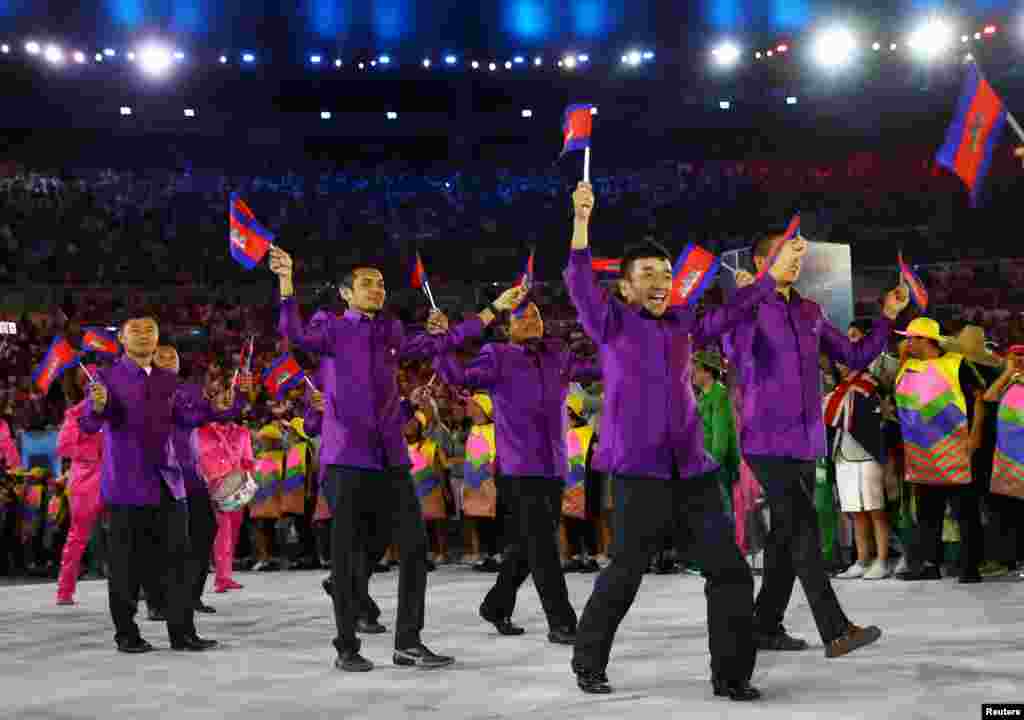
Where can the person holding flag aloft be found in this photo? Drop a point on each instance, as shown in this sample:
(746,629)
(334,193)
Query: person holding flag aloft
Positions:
(652,444)
(528,382)
(363,447)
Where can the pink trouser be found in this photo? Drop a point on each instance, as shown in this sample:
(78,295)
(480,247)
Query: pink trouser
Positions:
(86,509)
(228,525)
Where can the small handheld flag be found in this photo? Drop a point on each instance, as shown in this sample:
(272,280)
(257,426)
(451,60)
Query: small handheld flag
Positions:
(282,375)
(58,358)
(419,279)
(100,341)
(525,281)
(606,265)
(577,125)
(249,241)
(916,288)
(692,275)
(792,231)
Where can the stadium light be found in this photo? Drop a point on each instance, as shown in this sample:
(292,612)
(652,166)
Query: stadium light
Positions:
(337,62)
(527,113)
(518,59)
(32,47)
(964,38)
(508,65)
(833,48)
(727,54)
(325,115)
(724,104)
(931,39)
(110,52)
(98,57)
(223,60)
(791,100)
(5,48)
(632,58)
(362,66)
(248,58)
(131,57)
(450,59)
(179,55)
(492,67)
(782,48)
(384,59)
(315,59)
(538,61)
(426,62)
(583,58)
(392,115)
(648,55)
(876,46)
(54,55)
(79,57)
(593,110)
(125,111)
(190,113)
(475,65)
(154,59)
(569,62)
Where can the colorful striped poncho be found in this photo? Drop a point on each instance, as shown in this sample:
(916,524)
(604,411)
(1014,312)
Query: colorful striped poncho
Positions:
(281,471)
(479,493)
(57,507)
(30,502)
(574,497)
(1008,469)
(427,479)
(933,415)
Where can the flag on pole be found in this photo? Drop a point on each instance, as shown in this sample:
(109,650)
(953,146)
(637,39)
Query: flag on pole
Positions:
(249,241)
(282,375)
(100,341)
(247,354)
(576,127)
(792,230)
(58,358)
(693,274)
(918,293)
(419,273)
(974,133)
(606,265)
(525,281)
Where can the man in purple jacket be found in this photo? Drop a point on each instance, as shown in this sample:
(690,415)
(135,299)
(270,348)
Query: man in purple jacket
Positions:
(528,380)
(363,447)
(776,349)
(138,406)
(652,445)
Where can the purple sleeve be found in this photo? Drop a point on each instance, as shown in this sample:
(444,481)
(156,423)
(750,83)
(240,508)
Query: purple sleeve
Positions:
(422,345)
(316,338)
(584,370)
(855,355)
(718,321)
(596,313)
(480,374)
(90,421)
(191,409)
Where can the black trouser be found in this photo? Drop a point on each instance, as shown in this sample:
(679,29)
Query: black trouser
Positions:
(149,545)
(388,499)
(202,529)
(533,506)
(647,510)
(931,513)
(793,548)
(372,546)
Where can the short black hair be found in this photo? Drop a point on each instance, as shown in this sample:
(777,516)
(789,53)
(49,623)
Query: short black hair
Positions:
(348,278)
(129,316)
(642,251)
(762,244)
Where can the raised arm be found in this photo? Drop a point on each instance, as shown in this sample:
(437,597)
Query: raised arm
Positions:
(718,321)
(316,338)
(438,338)
(101,407)
(596,312)
(855,355)
(480,374)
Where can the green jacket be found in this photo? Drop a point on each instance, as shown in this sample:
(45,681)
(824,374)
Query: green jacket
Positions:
(715,410)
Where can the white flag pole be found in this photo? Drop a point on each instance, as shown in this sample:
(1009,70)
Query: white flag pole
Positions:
(586,164)
(430,295)
(310,383)
(87,373)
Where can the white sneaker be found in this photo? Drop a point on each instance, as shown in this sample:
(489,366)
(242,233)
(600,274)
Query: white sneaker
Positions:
(877,571)
(851,573)
(902,566)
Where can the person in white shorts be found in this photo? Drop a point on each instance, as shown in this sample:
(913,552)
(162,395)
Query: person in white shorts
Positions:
(853,418)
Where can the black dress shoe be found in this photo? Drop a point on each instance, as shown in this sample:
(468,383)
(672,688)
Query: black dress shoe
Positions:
(205,609)
(562,636)
(157,615)
(927,572)
(193,643)
(592,682)
(504,626)
(352,661)
(780,641)
(421,656)
(369,627)
(738,690)
(134,647)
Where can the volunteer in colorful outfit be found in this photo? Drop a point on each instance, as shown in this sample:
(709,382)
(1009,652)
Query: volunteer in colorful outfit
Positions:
(652,444)
(777,350)
(581,496)
(85,453)
(936,395)
(363,447)
(429,467)
(527,380)
(479,488)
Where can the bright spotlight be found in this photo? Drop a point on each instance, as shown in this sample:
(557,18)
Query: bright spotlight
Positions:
(79,57)
(769,53)
(315,59)
(109,52)
(131,57)
(757,55)
(373,63)
(475,65)
(518,59)
(248,58)
(583,58)
(492,67)
(337,63)
(527,113)
(54,55)
(508,65)
(155,60)
(426,62)
(190,113)
(876,47)
(384,59)
(392,115)
(724,104)
(98,57)
(782,48)
(964,38)
(179,55)
(632,58)
(325,115)
(537,61)
(648,55)
(892,46)
(32,47)
(569,62)
(5,48)
(450,59)
(362,66)
(834,48)
(977,36)
(126,111)
(727,54)
(593,110)
(223,60)
(931,38)
(791,100)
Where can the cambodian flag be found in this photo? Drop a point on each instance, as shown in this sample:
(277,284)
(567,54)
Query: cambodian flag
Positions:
(606,265)
(58,358)
(974,133)
(250,241)
(918,293)
(100,341)
(792,230)
(576,127)
(526,281)
(693,273)
(419,273)
(282,375)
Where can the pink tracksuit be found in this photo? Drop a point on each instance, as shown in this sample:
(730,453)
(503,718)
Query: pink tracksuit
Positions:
(224,448)
(8,448)
(85,452)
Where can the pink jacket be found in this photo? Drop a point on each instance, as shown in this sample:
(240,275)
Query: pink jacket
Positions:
(221,449)
(85,452)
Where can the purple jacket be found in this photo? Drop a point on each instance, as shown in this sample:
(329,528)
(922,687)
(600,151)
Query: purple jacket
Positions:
(362,424)
(138,421)
(775,349)
(528,385)
(650,419)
